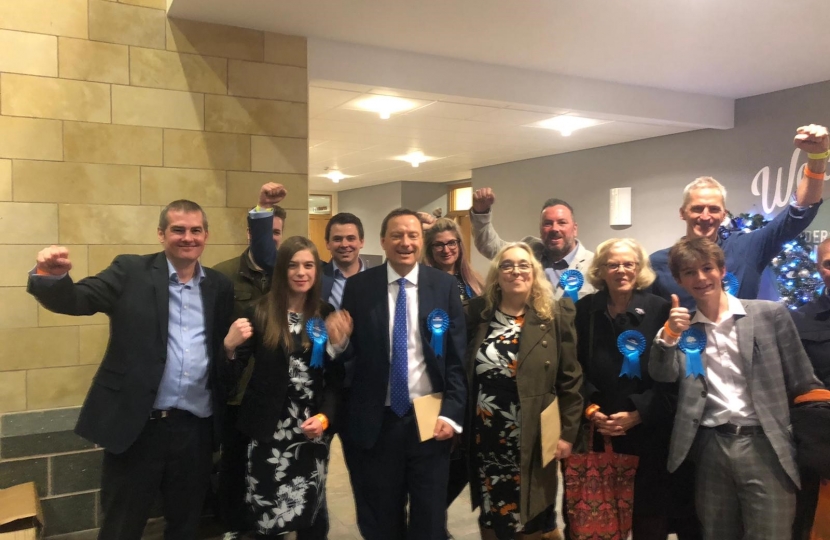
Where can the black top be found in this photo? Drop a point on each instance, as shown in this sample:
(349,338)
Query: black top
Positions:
(813,323)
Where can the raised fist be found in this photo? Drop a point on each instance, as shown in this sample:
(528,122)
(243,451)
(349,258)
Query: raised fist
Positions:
(339,327)
(271,194)
(483,199)
(812,139)
(240,332)
(54,261)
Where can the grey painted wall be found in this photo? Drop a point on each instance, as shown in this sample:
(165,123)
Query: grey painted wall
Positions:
(371,204)
(657,170)
(424,196)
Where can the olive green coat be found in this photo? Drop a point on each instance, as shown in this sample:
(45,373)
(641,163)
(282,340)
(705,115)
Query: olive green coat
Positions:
(547,368)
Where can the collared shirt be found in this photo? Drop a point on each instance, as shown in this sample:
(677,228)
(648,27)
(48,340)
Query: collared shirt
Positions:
(728,398)
(336,297)
(418,378)
(747,254)
(554,274)
(184,384)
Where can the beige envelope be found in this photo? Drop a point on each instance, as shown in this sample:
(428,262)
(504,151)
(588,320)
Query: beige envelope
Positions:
(551,431)
(427,409)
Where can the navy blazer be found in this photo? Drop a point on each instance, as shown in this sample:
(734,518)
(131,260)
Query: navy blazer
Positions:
(264,251)
(366,299)
(134,292)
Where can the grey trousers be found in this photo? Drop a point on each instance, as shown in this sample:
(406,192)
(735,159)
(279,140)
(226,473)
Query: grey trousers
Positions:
(742,492)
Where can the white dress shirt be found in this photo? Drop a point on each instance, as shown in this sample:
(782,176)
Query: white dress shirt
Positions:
(418,378)
(728,398)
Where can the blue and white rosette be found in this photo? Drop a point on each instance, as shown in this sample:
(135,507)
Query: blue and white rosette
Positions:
(731,284)
(631,344)
(438,322)
(571,280)
(693,343)
(316,330)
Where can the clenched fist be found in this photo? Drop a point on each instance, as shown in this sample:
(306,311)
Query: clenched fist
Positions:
(54,261)
(339,327)
(483,199)
(679,318)
(240,332)
(271,194)
(812,139)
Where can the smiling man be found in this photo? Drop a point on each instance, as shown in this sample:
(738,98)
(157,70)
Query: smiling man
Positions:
(344,240)
(156,402)
(397,359)
(747,254)
(739,367)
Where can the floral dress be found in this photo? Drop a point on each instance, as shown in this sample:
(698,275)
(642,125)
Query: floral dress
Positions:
(497,426)
(286,476)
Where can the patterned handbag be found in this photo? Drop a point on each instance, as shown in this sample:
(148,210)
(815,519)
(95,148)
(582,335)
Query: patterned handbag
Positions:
(599,492)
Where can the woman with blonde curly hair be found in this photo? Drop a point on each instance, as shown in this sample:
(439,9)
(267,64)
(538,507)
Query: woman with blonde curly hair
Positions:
(522,355)
(445,251)
(616,327)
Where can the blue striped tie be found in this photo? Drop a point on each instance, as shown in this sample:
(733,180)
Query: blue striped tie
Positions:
(399,377)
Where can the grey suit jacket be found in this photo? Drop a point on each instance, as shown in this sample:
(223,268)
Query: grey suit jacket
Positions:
(778,371)
(488,243)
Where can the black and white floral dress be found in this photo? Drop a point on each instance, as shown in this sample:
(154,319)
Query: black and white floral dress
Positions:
(286,475)
(497,427)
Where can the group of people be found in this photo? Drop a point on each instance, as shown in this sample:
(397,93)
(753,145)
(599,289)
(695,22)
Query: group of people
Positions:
(270,354)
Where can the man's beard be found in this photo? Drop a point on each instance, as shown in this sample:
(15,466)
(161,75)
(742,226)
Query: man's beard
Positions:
(556,254)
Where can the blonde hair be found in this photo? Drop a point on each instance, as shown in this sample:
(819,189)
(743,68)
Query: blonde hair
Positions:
(700,183)
(645,275)
(541,293)
(469,275)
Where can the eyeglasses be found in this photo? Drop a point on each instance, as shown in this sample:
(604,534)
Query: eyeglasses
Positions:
(628,265)
(523,267)
(441,246)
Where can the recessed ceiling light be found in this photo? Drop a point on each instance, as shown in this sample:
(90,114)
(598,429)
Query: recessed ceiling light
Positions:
(384,106)
(415,158)
(567,124)
(335,176)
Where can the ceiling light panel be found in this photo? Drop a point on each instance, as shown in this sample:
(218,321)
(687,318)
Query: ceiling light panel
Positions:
(384,106)
(568,123)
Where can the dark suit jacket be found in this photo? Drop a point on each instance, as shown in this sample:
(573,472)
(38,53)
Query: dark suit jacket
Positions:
(264,397)
(264,251)
(133,291)
(366,299)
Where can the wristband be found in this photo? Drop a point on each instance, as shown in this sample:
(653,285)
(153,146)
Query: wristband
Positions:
(814,175)
(823,155)
(590,410)
(258,208)
(40,272)
(668,331)
(323,420)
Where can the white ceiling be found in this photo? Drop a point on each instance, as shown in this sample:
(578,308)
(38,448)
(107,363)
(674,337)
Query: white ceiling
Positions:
(488,67)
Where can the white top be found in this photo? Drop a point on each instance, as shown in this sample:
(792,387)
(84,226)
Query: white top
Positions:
(728,398)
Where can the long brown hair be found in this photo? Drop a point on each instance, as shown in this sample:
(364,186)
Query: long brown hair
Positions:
(469,275)
(272,310)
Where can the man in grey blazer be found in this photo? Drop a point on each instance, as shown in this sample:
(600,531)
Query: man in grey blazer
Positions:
(556,247)
(737,379)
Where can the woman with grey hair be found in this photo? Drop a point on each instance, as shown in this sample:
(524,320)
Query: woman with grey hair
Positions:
(615,327)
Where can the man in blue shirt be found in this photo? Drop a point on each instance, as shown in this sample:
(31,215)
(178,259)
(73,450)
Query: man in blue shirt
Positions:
(344,240)
(747,253)
(156,402)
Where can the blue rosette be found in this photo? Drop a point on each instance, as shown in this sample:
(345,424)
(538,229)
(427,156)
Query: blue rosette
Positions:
(316,330)
(731,284)
(693,343)
(571,280)
(438,322)
(631,344)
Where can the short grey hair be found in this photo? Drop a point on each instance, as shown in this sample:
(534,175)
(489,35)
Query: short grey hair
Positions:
(703,182)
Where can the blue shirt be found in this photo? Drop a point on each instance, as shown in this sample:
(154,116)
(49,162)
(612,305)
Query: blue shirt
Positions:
(747,254)
(336,296)
(184,384)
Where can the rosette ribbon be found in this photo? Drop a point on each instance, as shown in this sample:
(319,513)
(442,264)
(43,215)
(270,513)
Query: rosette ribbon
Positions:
(731,284)
(693,342)
(439,322)
(316,330)
(631,344)
(572,280)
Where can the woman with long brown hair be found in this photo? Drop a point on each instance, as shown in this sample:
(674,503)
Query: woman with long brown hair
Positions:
(291,401)
(445,250)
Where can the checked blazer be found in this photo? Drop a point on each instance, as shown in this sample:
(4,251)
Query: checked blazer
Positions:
(777,370)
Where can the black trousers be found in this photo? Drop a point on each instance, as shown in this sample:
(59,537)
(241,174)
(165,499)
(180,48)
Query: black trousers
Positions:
(806,503)
(397,468)
(232,471)
(172,455)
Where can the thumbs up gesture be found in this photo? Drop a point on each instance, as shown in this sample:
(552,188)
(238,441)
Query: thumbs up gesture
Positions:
(54,261)
(679,318)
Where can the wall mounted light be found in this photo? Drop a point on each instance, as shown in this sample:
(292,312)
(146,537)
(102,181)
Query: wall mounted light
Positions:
(620,207)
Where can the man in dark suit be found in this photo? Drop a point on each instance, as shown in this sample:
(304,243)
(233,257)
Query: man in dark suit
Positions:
(156,402)
(344,240)
(394,364)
